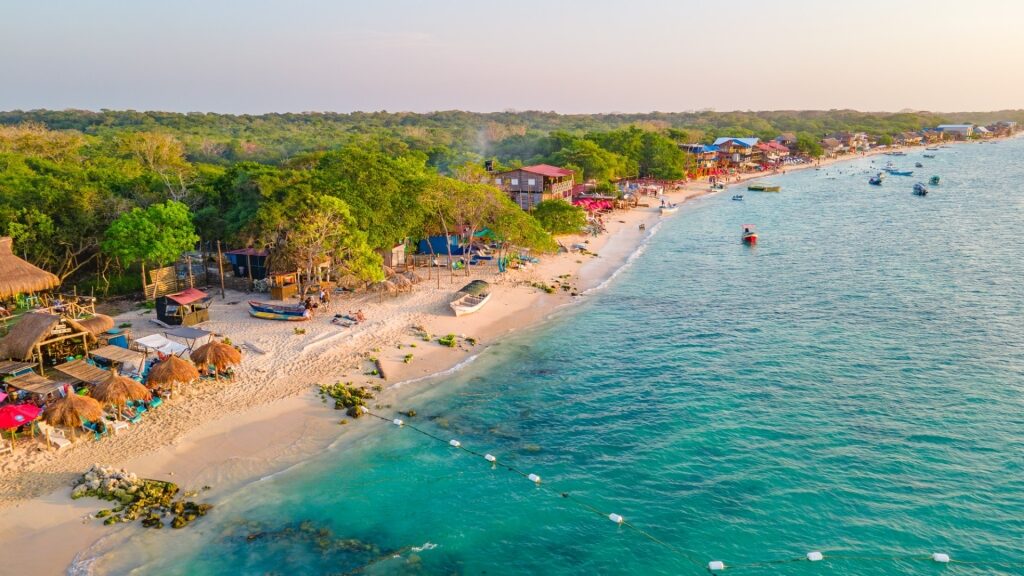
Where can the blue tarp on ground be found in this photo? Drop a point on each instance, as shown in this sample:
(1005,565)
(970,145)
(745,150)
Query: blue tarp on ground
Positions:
(436,245)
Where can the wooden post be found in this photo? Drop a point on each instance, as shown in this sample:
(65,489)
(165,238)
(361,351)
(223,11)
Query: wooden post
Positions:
(188,262)
(248,267)
(220,268)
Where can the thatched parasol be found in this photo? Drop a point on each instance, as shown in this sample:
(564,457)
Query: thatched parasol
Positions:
(412,276)
(96,324)
(118,390)
(18,276)
(73,411)
(401,282)
(351,282)
(216,354)
(389,271)
(32,328)
(382,287)
(173,371)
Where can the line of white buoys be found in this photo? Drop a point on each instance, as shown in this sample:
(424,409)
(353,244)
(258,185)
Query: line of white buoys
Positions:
(940,558)
(490,458)
(814,556)
(397,422)
(616,518)
(455,443)
(533,478)
(716,565)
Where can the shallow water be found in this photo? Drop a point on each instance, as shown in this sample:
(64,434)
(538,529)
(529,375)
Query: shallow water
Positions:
(852,385)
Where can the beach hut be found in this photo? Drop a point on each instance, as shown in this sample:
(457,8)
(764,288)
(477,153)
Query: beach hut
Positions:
(172,371)
(217,355)
(45,339)
(18,276)
(117,390)
(185,308)
(248,263)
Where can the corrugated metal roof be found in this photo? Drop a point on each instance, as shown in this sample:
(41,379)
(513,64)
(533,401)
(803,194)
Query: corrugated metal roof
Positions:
(748,142)
(547,170)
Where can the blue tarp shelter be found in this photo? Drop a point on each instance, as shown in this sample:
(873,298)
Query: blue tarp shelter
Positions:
(436,245)
(241,259)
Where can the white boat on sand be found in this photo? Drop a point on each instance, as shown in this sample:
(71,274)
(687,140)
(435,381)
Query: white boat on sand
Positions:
(471,297)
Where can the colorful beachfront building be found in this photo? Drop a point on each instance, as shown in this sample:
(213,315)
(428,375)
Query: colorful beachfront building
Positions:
(530,185)
(957,131)
(832,147)
(852,141)
(703,159)
(772,152)
(738,152)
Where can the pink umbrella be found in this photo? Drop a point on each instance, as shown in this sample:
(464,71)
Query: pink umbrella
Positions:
(15,415)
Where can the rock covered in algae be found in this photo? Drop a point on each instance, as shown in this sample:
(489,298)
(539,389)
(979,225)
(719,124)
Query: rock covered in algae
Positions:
(147,499)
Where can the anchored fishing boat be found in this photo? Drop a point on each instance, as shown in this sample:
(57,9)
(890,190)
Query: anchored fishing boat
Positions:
(929,155)
(932,148)
(920,189)
(918,165)
(895,172)
(876,180)
(471,297)
(749,236)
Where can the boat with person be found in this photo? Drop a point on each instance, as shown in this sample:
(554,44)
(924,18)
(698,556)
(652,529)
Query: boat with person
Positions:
(762,187)
(934,180)
(920,189)
(876,180)
(471,297)
(749,236)
(668,208)
(284,310)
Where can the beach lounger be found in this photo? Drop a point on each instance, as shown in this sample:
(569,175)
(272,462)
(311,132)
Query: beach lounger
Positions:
(54,436)
(94,427)
(115,425)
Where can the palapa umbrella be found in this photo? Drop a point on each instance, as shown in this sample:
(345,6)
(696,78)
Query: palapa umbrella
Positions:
(216,354)
(118,390)
(382,287)
(401,282)
(412,276)
(14,415)
(73,411)
(173,370)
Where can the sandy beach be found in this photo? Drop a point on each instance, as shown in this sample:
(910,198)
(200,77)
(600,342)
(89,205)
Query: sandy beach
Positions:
(269,417)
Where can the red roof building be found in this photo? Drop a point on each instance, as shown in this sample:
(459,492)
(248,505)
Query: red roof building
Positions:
(530,185)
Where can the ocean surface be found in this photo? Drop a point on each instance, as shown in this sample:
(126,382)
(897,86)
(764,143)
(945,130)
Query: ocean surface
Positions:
(851,385)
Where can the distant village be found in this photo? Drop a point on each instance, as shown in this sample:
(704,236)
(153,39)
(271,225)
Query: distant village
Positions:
(530,185)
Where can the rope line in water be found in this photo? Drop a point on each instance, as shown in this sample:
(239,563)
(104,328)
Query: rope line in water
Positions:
(713,566)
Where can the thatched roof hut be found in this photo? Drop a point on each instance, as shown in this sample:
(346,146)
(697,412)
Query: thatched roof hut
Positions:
(18,276)
(216,354)
(31,329)
(118,390)
(173,370)
(95,324)
(72,411)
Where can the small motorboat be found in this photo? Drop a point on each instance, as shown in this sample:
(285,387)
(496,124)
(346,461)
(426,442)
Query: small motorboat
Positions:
(668,209)
(934,180)
(929,155)
(918,165)
(749,236)
(471,297)
(920,189)
(932,148)
(901,172)
(737,197)
(875,180)
(718,186)
(762,187)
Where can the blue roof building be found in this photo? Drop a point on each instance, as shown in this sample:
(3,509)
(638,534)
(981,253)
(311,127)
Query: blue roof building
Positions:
(745,142)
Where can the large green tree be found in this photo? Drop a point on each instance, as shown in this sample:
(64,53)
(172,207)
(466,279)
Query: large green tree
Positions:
(156,235)
(559,217)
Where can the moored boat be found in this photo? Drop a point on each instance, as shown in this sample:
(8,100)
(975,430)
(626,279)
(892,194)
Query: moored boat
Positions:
(737,197)
(934,180)
(929,155)
(918,165)
(471,298)
(669,208)
(932,148)
(876,180)
(274,316)
(920,189)
(749,235)
(762,187)
(298,310)
(901,172)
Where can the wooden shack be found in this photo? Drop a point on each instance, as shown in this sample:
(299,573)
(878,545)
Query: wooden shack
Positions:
(186,308)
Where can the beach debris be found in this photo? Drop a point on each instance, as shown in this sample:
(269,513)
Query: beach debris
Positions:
(137,498)
(410,413)
(299,331)
(407,359)
(346,397)
(449,341)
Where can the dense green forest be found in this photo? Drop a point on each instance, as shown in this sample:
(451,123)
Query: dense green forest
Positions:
(93,194)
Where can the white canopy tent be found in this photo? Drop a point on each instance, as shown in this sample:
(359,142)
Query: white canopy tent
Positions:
(158,343)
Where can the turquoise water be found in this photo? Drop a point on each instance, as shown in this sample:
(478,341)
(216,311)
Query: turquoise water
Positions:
(853,385)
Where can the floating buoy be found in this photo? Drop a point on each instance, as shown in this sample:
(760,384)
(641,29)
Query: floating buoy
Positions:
(489,458)
(397,422)
(715,565)
(814,556)
(616,518)
(940,557)
(364,409)
(533,478)
(455,443)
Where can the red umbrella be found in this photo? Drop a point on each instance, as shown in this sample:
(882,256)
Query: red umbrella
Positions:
(14,415)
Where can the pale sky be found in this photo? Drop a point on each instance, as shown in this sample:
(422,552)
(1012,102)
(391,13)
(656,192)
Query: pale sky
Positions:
(253,56)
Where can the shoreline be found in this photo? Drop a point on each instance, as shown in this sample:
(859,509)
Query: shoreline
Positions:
(270,420)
